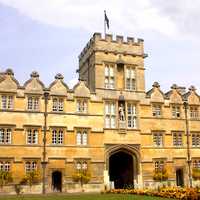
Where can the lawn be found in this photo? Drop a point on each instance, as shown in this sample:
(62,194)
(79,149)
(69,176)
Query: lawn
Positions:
(81,197)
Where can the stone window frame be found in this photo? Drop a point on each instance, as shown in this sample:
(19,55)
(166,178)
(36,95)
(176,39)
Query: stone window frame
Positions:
(82,105)
(131,78)
(58,105)
(82,164)
(110,114)
(176,113)
(194,111)
(80,133)
(178,138)
(109,76)
(5,165)
(196,163)
(6,138)
(6,104)
(134,116)
(155,139)
(159,164)
(31,165)
(155,110)
(33,102)
(195,139)
(56,139)
(30,130)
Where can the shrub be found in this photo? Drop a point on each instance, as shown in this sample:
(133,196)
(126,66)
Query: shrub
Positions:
(196,173)
(82,177)
(5,178)
(160,175)
(171,192)
(31,178)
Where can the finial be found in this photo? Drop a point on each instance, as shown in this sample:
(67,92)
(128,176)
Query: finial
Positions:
(156,85)
(9,72)
(59,76)
(174,86)
(192,88)
(34,74)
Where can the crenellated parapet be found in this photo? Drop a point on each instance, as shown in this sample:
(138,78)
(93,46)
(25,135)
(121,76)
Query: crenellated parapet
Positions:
(110,44)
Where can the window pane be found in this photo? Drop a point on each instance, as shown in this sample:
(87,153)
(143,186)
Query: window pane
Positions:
(78,138)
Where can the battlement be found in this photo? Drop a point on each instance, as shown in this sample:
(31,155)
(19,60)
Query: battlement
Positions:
(118,39)
(128,44)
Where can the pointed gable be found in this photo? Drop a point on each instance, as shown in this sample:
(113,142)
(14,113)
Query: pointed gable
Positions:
(155,94)
(193,98)
(34,85)
(58,87)
(81,90)
(8,83)
(174,95)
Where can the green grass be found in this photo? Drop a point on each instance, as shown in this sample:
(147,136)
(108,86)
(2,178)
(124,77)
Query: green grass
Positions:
(81,197)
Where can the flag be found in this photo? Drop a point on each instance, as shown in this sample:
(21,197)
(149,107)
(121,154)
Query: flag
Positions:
(106,19)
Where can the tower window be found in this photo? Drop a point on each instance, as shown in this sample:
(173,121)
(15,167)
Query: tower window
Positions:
(110,115)
(130,79)
(131,115)
(109,77)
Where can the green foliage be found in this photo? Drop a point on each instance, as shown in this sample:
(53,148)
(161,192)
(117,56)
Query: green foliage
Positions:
(5,178)
(196,173)
(31,178)
(83,177)
(161,175)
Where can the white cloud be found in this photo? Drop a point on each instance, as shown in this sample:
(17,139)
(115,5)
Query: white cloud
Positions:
(128,16)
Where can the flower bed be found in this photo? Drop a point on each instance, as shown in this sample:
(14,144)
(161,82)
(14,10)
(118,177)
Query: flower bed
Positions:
(174,192)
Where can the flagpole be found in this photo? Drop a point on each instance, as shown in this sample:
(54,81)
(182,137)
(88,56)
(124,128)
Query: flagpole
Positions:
(104,24)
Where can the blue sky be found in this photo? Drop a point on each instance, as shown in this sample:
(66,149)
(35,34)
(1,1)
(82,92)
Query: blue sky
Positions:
(48,35)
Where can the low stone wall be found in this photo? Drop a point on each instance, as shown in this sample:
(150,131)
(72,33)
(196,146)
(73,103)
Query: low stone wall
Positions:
(67,188)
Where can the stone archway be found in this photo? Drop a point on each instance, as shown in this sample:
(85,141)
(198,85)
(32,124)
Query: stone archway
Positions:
(122,165)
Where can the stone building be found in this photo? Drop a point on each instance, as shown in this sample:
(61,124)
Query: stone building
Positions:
(107,125)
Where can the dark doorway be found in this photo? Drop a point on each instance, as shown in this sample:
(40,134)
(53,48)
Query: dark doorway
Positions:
(179,177)
(121,170)
(57,181)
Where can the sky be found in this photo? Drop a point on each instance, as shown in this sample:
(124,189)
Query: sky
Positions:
(48,35)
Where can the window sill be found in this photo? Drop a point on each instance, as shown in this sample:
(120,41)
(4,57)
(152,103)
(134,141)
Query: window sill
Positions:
(82,113)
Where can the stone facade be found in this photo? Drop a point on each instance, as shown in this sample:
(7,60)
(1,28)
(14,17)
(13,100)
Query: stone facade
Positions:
(106,117)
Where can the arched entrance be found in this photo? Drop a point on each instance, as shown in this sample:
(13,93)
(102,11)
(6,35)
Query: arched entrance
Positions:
(122,166)
(57,181)
(121,170)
